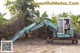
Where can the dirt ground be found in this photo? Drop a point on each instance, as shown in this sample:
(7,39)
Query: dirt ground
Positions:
(40,46)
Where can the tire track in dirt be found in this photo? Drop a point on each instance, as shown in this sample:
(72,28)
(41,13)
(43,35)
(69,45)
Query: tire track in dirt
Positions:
(43,47)
(67,48)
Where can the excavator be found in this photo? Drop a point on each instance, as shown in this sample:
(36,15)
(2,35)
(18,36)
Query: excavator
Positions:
(59,34)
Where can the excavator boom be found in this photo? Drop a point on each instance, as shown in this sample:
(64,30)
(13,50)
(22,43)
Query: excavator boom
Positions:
(32,27)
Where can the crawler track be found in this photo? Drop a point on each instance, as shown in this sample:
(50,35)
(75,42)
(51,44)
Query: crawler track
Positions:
(62,40)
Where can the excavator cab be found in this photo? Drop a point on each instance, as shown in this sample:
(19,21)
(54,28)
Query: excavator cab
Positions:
(65,29)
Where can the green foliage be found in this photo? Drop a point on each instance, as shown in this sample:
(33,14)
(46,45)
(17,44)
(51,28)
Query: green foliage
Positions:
(78,19)
(75,20)
(21,7)
(63,15)
(37,13)
(10,5)
(40,18)
(44,15)
(54,20)
(2,19)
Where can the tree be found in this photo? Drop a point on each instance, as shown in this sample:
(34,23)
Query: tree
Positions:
(22,8)
(22,11)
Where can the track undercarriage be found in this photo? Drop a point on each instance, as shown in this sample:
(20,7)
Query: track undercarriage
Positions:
(62,40)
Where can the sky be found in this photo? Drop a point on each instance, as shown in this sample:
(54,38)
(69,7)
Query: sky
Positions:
(58,9)
(3,10)
(51,9)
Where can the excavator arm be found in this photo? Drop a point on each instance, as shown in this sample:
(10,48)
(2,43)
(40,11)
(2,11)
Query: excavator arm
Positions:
(32,27)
